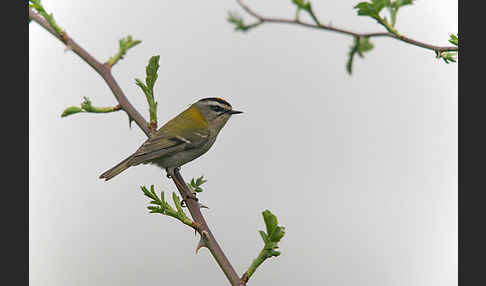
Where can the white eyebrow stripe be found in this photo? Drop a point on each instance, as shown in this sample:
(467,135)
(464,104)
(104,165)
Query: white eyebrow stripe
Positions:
(183,139)
(200,135)
(225,106)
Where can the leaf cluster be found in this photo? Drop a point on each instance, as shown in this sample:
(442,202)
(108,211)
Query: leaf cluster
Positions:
(273,234)
(148,87)
(195,185)
(271,238)
(374,7)
(36,4)
(454,40)
(449,56)
(360,45)
(303,5)
(394,6)
(159,205)
(124,44)
(371,9)
(307,7)
(235,19)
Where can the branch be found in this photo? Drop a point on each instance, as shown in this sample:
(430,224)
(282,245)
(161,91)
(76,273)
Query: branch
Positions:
(199,223)
(207,238)
(317,25)
(86,106)
(104,70)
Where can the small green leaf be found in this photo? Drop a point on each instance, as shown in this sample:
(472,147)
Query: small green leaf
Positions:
(367,9)
(151,71)
(146,192)
(239,24)
(270,221)
(360,46)
(142,86)
(394,6)
(304,5)
(71,110)
(194,185)
(124,44)
(364,45)
(127,43)
(448,56)
(152,208)
(263,235)
(454,40)
(148,88)
(277,234)
(401,3)
(177,203)
(86,105)
(162,198)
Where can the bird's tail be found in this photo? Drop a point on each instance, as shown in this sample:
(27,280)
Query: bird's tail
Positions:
(120,167)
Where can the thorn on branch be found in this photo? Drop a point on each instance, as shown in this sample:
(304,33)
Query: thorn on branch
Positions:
(68,48)
(202,241)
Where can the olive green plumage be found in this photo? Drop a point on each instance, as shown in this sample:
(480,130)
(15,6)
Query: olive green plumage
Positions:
(182,139)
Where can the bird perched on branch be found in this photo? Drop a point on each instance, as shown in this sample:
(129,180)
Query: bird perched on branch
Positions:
(182,139)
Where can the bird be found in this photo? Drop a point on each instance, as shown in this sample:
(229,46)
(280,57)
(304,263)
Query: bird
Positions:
(182,139)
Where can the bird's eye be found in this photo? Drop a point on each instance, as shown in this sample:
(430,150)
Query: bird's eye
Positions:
(217,108)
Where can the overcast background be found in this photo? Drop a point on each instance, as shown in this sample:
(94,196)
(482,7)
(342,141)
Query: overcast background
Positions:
(361,169)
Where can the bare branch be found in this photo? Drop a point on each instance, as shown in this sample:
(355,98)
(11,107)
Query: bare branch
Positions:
(319,26)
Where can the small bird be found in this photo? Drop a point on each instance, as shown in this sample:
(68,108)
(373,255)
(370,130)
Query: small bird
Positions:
(182,139)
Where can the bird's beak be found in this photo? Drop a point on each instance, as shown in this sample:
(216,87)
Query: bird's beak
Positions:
(235,112)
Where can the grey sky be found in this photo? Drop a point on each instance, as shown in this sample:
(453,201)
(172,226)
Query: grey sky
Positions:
(361,169)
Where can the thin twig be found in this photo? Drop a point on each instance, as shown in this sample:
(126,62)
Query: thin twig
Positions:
(103,70)
(296,21)
(206,236)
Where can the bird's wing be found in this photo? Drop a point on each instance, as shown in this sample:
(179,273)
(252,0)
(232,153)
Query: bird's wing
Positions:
(163,144)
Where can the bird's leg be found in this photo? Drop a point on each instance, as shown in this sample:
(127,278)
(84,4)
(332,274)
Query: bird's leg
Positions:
(170,171)
(170,175)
